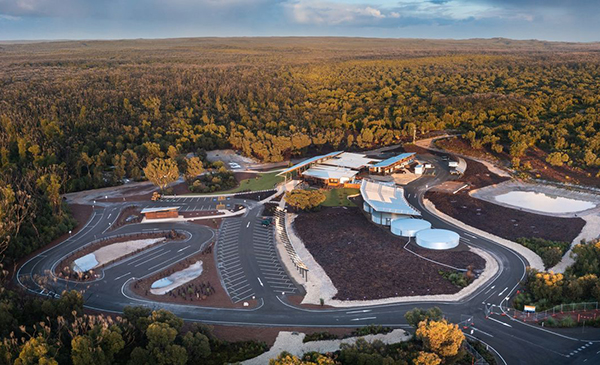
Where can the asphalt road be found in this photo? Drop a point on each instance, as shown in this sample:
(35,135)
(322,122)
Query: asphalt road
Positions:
(250,268)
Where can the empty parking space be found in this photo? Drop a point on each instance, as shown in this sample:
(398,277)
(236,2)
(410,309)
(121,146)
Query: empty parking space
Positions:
(229,262)
(264,251)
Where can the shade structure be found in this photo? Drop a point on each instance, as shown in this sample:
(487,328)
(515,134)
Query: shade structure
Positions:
(437,239)
(408,227)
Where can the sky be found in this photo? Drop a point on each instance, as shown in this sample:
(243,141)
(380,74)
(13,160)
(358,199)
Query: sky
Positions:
(555,20)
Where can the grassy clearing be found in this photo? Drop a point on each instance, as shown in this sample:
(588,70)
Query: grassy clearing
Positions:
(264,181)
(339,197)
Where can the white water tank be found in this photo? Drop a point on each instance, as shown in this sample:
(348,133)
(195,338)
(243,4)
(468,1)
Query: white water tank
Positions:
(408,227)
(437,239)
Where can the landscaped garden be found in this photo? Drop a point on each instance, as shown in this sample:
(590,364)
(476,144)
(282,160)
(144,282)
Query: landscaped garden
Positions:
(339,197)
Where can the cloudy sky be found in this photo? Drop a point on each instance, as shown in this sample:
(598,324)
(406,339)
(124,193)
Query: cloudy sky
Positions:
(564,20)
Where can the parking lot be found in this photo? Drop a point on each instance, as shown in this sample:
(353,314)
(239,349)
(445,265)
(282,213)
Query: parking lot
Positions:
(230,264)
(264,250)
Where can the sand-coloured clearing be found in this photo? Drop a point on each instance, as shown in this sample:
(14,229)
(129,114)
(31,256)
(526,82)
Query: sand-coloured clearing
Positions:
(165,285)
(110,253)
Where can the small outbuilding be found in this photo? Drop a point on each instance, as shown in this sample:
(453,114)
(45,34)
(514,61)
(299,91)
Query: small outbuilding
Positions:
(160,212)
(409,227)
(437,239)
(392,164)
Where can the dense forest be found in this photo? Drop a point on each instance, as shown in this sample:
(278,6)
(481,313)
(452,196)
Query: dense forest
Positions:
(81,115)
(88,114)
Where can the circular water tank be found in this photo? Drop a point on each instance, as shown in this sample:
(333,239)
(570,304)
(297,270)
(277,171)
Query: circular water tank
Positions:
(408,227)
(437,239)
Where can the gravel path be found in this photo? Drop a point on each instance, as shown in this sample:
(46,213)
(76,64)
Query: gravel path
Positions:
(292,343)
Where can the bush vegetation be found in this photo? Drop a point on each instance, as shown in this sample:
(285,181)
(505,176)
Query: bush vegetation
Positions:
(579,283)
(551,252)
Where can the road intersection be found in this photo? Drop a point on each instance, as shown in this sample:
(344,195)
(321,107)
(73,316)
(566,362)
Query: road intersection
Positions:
(250,268)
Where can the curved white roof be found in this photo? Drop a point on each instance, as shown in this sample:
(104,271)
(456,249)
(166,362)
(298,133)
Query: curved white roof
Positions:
(408,227)
(437,239)
(386,198)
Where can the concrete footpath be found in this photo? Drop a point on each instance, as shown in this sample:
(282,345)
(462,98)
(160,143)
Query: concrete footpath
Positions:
(292,343)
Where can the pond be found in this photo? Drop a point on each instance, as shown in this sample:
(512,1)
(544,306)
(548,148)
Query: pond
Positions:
(544,203)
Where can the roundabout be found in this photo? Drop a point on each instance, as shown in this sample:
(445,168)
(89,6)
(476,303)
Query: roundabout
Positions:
(250,271)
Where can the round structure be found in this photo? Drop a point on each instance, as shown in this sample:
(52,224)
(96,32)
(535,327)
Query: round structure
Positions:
(408,227)
(437,239)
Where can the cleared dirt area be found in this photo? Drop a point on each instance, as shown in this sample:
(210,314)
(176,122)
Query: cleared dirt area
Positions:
(501,221)
(505,222)
(365,261)
(206,290)
(477,175)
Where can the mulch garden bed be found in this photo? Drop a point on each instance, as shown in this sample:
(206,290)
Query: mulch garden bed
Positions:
(200,213)
(365,261)
(205,290)
(502,221)
(214,223)
(64,268)
(129,215)
(270,209)
(255,196)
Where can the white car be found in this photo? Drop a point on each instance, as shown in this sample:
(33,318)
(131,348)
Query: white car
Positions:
(234,165)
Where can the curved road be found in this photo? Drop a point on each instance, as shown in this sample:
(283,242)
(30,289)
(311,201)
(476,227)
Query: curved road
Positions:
(255,271)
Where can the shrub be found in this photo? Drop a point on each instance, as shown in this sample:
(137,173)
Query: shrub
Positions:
(370,330)
(319,336)
(568,321)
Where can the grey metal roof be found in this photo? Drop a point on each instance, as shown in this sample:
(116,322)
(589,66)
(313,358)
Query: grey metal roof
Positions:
(308,161)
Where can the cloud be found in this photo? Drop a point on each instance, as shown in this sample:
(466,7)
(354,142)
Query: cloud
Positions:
(549,19)
(330,13)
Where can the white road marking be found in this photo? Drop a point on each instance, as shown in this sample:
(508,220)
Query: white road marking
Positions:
(117,278)
(362,319)
(182,249)
(502,292)
(502,323)
(260,282)
(470,235)
(157,256)
(485,333)
(248,225)
(362,311)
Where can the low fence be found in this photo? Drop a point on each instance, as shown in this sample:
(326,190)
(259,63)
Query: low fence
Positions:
(585,311)
(283,236)
(477,358)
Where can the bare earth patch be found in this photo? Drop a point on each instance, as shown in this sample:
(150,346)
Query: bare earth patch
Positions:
(365,261)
